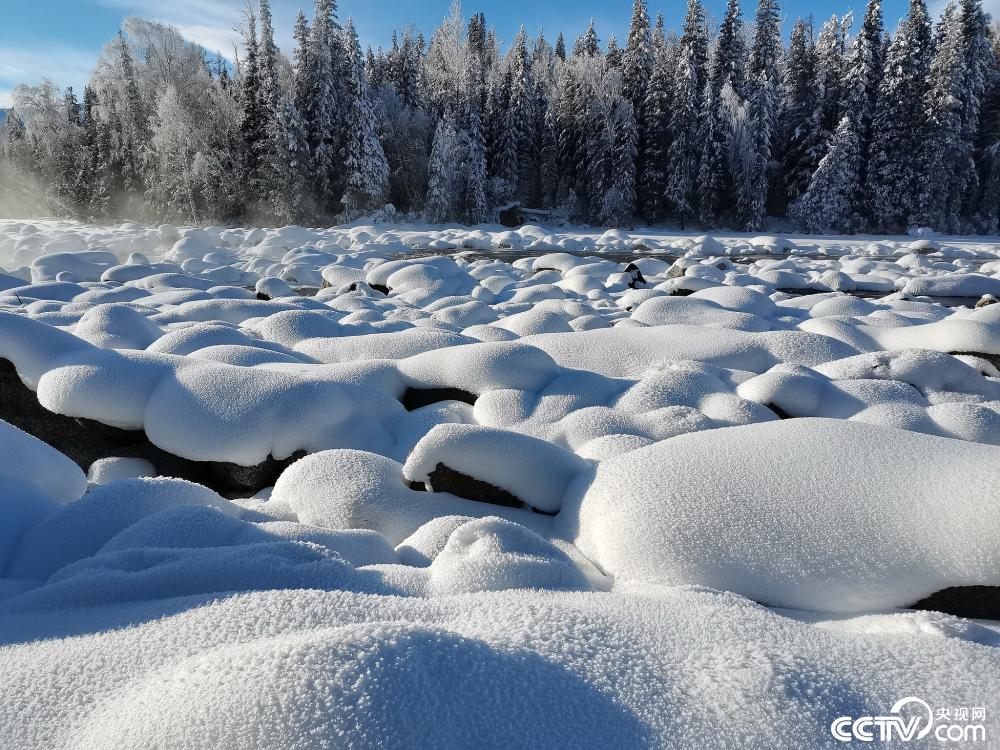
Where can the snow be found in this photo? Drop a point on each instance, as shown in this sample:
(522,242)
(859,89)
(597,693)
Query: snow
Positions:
(735,478)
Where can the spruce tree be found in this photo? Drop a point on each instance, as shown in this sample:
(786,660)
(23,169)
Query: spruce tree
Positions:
(656,113)
(893,176)
(828,202)
(637,69)
(366,168)
(727,69)
(796,121)
(686,109)
(255,127)
(754,165)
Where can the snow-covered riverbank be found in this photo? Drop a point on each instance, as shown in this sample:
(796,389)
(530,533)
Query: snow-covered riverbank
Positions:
(566,501)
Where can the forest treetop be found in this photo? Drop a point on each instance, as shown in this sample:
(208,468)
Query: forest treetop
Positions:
(711,127)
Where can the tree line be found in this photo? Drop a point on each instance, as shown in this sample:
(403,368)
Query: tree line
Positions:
(723,127)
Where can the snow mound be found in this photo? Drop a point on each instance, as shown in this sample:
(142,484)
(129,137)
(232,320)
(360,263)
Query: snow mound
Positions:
(807,536)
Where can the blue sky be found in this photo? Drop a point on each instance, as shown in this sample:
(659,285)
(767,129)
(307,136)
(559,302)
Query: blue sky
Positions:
(59,39)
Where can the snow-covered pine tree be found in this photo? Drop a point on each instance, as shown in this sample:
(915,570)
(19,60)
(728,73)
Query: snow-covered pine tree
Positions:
(755,163)
(656,112)
(256,125)
(618,200)
(524,118)
(502,146)
(898,125)
(861,87)
(831,66)
(828,202)
(131,142)
(291,200)
(946,163)
(549,161)
(637,69)
(97,158)
(730,58)
(588,44)
(366,168)
(715,186)
(268,55)
(440,204)
(987,214)
(301,65)
(614,53)
(567,109)
(473,201)
(686,112)
(796,121)
(322,107)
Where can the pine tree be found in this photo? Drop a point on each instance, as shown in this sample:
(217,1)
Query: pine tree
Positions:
(524,117)
(322,106)
(893,174)
(549,162)
(614,53)
(270,85)
(637,69)
(567,108)
(828,203)
(952,104)
(716,186)
(988,147)
(367,183)
(97,158)
(685,123)
(588,45)
(796,123)
(618,200)
(440,204)
(291,200)
(754,165)
(502,146)
(133,138)
(255,127)
(561,47)
(473,206)
(729,61)
(864,76)
(656,112)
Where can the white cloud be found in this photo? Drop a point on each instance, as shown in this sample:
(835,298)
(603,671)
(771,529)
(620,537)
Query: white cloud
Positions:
(64,66)
(211,23)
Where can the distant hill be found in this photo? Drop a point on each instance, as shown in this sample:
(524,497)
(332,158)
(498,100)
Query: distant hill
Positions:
(3,115)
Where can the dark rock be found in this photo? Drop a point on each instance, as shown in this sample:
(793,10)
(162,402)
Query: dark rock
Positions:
(993,359)
(85,441)
(973,602)
(443,479)
(637,277)
(782,414)
(416,398)
(511,216)
(263,297)
(381,288)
